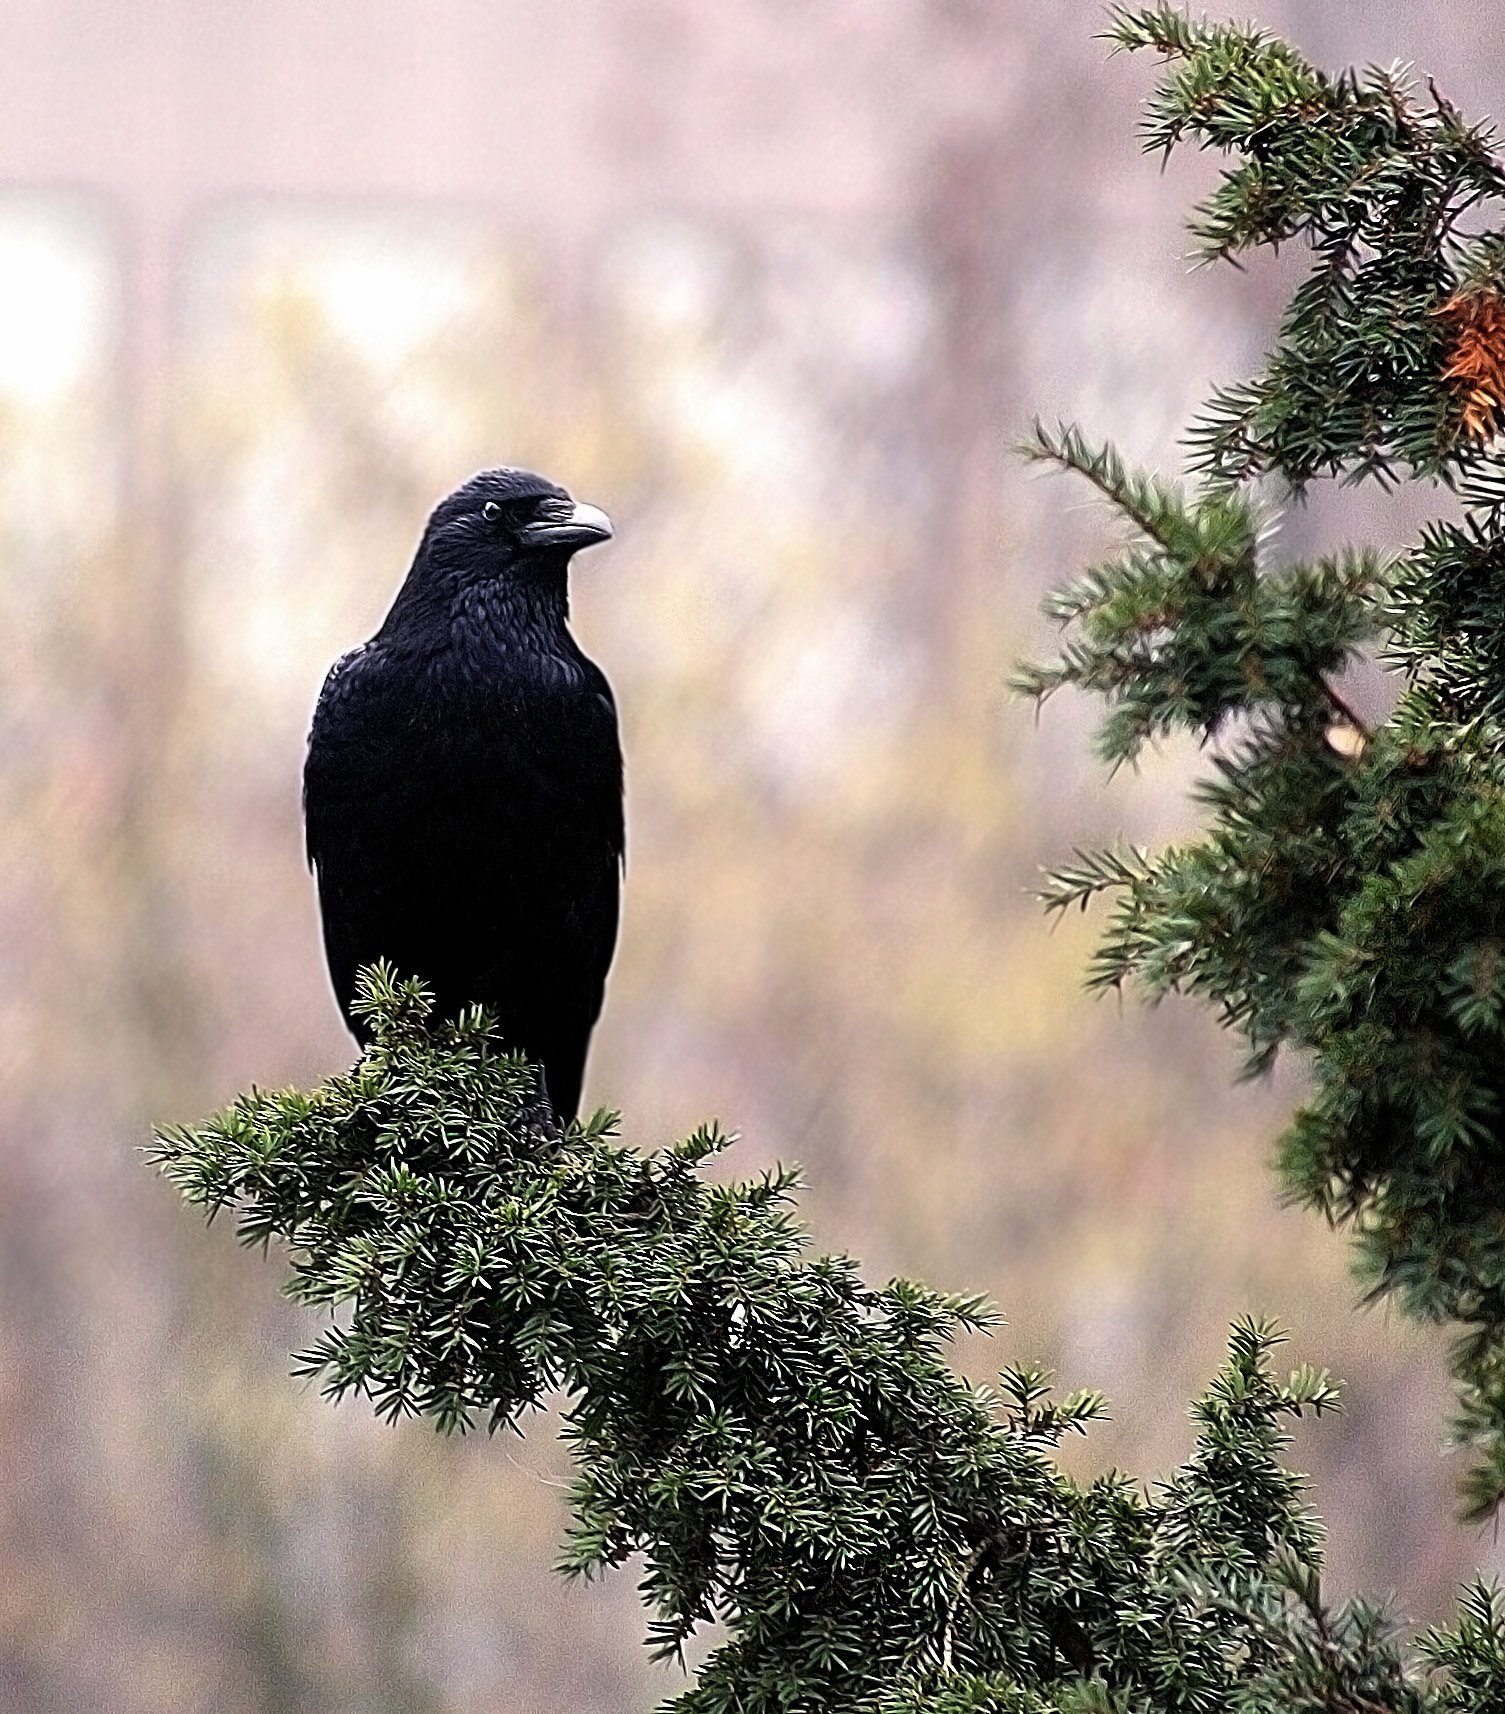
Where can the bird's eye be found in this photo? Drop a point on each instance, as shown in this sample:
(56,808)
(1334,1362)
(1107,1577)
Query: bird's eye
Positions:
(491,511)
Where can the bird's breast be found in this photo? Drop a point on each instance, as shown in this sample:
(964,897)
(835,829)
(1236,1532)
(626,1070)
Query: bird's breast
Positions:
(548,716)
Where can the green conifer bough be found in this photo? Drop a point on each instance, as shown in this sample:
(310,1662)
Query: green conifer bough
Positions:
(1348,896)
(784,1444)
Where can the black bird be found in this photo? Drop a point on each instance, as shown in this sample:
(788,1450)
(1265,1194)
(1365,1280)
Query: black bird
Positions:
(463,790)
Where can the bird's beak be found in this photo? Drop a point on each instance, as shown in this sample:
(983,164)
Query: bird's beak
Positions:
(576,525)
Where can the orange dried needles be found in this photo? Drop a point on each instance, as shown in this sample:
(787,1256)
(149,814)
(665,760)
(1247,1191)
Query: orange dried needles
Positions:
(1476,360)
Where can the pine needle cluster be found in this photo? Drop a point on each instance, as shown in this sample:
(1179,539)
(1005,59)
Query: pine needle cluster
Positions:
(1347,899)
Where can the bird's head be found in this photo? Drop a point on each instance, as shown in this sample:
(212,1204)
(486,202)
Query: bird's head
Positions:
(511,520)
(501,541)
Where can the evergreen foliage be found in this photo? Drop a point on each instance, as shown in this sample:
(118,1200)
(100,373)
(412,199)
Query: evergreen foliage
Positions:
(783,1447)
(1348,896)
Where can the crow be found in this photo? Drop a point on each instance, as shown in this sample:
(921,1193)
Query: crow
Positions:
(462,793)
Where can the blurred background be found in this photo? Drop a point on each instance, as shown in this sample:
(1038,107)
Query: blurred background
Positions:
(777,285)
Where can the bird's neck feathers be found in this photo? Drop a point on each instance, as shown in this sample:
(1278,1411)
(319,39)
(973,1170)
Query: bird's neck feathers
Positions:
(442,608)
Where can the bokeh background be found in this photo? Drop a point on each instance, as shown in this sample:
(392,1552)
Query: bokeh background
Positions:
(777,284)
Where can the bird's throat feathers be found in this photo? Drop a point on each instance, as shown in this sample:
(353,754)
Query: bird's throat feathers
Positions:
(449,610)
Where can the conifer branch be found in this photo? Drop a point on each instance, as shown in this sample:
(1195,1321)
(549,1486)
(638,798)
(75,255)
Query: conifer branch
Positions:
(1347,900)
(781,1442)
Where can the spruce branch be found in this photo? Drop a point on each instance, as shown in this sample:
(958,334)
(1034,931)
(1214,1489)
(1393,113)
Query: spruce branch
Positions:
(1374,182)
(1345,900)
(782,1443)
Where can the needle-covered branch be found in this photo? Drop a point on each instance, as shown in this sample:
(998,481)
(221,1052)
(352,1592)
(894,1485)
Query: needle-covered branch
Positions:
(783,1444)
(1376,366)
(1348,896)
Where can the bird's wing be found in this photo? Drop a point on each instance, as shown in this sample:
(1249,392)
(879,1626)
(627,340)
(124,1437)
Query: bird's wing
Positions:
(354,800)
(330,734)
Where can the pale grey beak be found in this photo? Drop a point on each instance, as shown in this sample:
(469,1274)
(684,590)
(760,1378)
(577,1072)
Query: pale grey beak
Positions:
(572,525)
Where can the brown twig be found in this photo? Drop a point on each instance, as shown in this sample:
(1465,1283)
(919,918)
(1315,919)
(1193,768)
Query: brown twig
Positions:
(1360,726)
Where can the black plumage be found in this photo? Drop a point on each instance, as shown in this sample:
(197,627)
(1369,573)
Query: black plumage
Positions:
(463,788)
